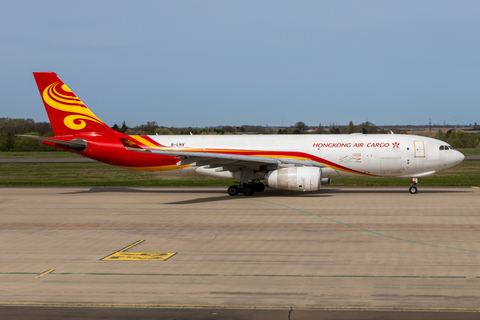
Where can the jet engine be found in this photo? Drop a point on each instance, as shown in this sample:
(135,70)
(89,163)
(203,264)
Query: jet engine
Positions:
(295,178)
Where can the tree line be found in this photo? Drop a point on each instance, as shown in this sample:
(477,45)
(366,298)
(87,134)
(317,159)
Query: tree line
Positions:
(9,128)
(459,139)
(300,127)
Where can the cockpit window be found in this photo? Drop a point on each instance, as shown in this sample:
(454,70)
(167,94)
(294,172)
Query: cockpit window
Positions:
(446,148)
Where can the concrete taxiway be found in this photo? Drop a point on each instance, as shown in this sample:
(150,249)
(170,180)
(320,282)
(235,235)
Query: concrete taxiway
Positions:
(47,313)
(359,248)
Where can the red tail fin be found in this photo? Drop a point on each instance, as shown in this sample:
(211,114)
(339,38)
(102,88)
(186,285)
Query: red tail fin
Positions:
(67,113)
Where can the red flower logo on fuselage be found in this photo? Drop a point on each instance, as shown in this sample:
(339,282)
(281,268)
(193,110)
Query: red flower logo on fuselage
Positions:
(396,145)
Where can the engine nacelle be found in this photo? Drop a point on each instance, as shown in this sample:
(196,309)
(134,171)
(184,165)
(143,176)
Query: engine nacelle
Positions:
(295,178)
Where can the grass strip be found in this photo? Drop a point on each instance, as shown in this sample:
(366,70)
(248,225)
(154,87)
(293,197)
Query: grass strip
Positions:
(466,173)
(38,155)
(91,174)
(470,151)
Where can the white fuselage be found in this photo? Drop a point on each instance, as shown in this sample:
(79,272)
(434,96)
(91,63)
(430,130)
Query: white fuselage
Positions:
(391,155)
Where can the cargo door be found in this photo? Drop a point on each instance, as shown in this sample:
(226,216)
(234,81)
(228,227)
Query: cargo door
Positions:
(419,149)
(391,165)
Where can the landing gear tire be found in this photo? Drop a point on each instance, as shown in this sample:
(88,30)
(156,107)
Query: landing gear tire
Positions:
(233,190)
(248,190)
(413,186)
(259,187)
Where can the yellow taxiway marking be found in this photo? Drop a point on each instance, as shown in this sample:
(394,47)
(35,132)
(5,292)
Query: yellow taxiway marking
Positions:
(44,273)
(133,256)
(475,187)
(121,255)
(131,246)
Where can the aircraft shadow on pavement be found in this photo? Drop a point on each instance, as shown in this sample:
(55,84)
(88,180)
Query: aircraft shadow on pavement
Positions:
(264,195)
(269,193)
(134,190)
(223,197)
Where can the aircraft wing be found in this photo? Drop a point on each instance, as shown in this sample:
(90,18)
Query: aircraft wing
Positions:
(215,157)
(229,161)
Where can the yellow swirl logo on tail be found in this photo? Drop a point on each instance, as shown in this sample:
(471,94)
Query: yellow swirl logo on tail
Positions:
(60,97)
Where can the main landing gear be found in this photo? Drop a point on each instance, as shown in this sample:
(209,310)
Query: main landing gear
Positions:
(247,189)
(413,186)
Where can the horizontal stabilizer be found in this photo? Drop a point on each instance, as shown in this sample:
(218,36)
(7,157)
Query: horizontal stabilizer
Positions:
(75,143)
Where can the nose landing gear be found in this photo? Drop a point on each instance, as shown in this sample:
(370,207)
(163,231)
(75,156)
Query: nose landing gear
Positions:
(247,189)
(413,186)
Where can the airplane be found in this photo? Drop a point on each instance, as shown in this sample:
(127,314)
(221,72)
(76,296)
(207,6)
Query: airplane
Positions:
(288,162)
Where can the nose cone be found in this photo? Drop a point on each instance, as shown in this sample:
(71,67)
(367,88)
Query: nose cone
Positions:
(460,157)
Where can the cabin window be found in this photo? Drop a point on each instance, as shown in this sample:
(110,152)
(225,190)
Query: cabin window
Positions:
(442,147)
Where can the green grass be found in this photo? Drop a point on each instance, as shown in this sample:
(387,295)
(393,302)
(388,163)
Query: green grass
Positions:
(466,173)
(470,151)
(91,174)
(54,154)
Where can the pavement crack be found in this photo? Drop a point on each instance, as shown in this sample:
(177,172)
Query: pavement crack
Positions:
(299,292)
(290,312)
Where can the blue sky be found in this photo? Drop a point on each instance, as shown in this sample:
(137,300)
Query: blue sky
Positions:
(209,63)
